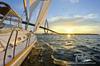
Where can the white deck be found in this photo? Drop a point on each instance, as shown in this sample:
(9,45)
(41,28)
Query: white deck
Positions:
(21,45)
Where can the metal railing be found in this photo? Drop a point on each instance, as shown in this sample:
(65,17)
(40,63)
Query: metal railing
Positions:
(7,47)
(14,47)
(15,43)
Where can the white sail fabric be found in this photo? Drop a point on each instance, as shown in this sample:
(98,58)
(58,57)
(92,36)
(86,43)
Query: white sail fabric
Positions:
(33,5)
(32,1)
(42,14)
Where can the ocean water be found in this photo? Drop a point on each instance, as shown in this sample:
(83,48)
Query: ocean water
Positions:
(65,50)
(75,49)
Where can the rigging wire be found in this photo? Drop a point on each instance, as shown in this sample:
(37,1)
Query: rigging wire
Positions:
(26,13)
(46,25)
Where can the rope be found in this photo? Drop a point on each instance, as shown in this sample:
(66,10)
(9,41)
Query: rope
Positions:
(27,42)
(28,39)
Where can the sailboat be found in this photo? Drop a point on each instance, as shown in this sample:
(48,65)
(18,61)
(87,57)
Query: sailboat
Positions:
(16,42)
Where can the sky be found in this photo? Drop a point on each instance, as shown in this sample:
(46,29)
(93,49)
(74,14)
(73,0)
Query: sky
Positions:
(68,16)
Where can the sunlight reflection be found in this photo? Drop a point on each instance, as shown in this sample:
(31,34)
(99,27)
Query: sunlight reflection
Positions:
(69,36)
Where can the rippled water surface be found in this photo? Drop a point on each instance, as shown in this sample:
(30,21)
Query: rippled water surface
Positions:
(65,50)
(66,47)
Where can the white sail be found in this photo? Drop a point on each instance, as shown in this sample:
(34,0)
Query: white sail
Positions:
(42,14)
(33,5)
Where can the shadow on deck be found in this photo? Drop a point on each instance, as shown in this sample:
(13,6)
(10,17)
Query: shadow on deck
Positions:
(39,56)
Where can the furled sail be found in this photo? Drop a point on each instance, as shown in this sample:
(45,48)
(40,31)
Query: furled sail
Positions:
(42,14)
(33,5)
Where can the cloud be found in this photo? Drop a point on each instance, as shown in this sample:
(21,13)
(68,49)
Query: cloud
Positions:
(53,19)
(74,17)
(79,23)
(88,16)
(75,20)
(74,1)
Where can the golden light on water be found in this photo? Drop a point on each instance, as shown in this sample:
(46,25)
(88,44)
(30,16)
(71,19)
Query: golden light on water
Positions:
(69,36)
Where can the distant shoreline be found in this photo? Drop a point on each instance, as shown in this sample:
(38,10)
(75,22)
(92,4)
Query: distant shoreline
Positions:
(68,34)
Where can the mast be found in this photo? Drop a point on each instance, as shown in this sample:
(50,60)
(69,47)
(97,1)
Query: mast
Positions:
(26,13)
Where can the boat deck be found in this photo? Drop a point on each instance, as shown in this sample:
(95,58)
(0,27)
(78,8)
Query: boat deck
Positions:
(19,48)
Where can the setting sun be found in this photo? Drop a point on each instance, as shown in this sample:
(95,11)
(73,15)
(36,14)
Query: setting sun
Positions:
(69,30)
